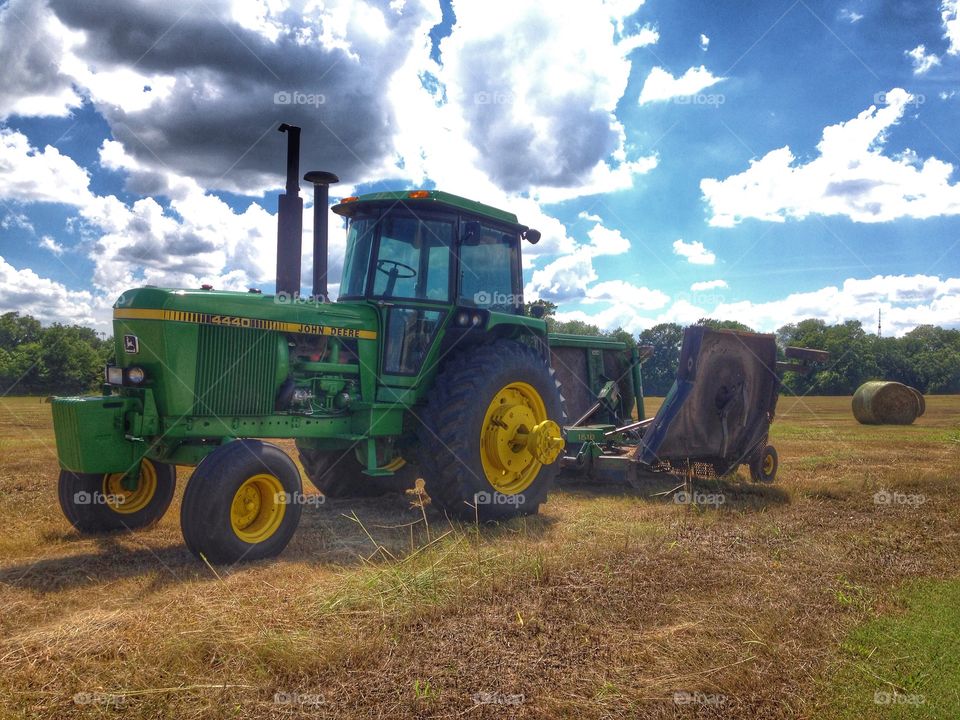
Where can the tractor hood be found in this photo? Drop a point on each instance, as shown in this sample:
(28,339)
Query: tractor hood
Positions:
(226,354)
(246,310)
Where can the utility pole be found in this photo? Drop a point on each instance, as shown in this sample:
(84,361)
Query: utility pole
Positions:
(879,321)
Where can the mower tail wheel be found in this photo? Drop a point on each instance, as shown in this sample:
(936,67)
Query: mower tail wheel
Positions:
(763,467)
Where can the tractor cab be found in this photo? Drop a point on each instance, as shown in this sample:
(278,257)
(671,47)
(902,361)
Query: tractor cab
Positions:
(429,260)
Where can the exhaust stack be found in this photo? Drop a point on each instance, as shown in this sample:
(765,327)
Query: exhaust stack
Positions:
(290,220)
(321,196)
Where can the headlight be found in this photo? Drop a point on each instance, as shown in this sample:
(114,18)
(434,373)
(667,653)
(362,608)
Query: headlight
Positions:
(136,375)
(114,375)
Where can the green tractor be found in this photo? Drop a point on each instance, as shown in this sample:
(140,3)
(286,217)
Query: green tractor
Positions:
(426,366)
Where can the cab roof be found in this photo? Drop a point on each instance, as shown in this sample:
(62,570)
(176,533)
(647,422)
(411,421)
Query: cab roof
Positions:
(420,198)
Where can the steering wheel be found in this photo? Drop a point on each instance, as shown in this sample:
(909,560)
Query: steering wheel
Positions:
(395,272)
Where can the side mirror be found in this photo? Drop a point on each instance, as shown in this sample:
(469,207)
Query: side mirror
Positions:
(531,236)
(538,310)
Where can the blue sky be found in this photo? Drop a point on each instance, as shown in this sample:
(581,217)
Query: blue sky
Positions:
(759,161)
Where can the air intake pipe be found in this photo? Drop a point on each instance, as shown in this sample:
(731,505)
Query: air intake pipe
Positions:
(321,197)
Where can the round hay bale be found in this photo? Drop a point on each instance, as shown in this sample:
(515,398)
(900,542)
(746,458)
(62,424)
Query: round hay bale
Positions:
(879,402)
(920,400)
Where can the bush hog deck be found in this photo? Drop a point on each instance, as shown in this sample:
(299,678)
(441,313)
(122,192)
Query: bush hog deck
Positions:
(426,366)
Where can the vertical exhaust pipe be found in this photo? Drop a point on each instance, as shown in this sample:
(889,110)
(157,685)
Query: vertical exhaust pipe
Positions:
(321,196)
(290,220)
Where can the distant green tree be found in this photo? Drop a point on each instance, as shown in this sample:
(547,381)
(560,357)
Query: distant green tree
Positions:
(894,362)
(660,370)
(60,359)
(16,330)
(21,369)
(724,325)
(72,361)
(934,355)
(573,327)
(550,309)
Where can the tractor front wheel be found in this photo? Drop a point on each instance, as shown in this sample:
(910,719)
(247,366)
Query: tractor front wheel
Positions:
(491,433)
(243,502)
(102,502)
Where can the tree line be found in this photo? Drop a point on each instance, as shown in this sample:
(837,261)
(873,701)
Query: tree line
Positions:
(927,357)
(69,359)
(54,360)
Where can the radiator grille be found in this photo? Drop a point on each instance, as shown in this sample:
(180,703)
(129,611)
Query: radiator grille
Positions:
(236,369)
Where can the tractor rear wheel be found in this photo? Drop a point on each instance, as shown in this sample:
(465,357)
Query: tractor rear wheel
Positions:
(100,502)
(491,432)
(339,474)
(243,502)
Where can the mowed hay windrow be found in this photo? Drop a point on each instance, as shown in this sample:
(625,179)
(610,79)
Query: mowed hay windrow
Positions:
(885,403)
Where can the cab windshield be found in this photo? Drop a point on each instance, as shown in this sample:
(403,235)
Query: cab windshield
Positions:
(412,258)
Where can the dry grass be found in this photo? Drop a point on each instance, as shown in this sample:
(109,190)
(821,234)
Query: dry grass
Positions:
(603,606)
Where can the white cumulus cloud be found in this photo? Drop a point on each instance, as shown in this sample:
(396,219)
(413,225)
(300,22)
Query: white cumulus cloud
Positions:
(950,13)
(905,300)
(850,176)
(568,277)
(620,291)
(23,291)
(708,285)
(28,174)
(694,252)
(922,61)
(48,243)
(661,85)
(849,15)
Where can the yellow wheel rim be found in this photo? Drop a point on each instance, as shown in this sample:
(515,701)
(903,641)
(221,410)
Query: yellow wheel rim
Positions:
(258,508)
(517,438)
(124,501)
(768,464)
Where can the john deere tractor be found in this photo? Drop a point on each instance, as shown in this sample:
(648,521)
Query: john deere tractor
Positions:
(425,366)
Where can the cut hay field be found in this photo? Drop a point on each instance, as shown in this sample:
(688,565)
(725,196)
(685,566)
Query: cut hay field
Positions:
(814,597)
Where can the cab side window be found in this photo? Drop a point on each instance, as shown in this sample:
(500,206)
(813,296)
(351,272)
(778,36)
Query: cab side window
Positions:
(489,268)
